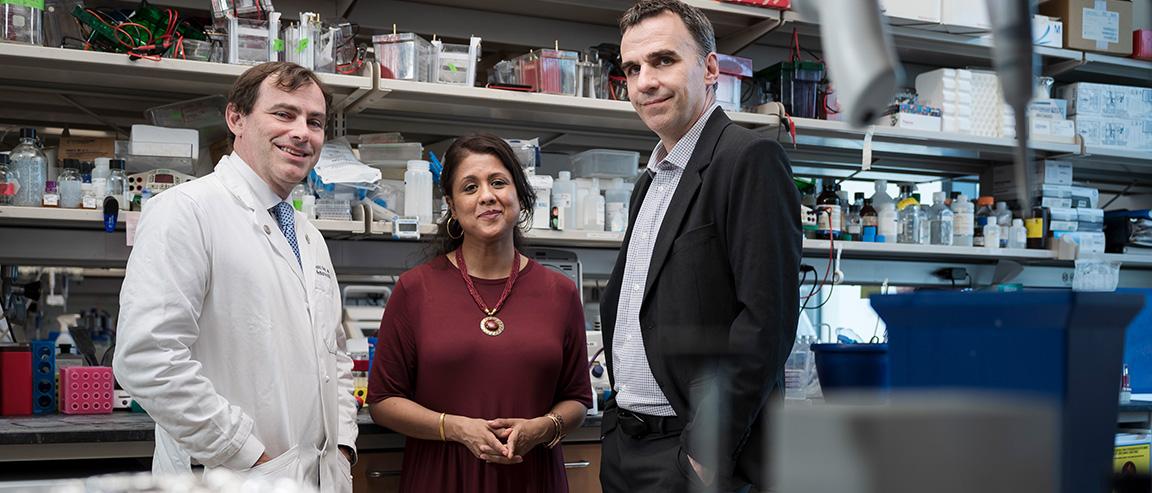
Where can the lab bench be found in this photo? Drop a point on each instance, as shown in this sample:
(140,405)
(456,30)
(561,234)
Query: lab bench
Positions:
(124,435)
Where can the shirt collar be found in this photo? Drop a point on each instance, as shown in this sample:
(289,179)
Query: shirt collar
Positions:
(682,151)
(265,197)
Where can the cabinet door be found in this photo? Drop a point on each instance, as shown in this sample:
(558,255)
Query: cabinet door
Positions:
(377,472)
(582,463)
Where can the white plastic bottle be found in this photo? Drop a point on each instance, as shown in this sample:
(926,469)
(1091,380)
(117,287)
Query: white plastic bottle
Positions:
(887,222)
(542,185)
(992,235)
(1004,219)
(418,191)
(100,175)
(963,221)
(1018,234)
(593,208)
(881,196)
(616,206)
(563,197)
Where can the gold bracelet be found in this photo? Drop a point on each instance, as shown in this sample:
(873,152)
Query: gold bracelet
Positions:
(442,427)
(558,424)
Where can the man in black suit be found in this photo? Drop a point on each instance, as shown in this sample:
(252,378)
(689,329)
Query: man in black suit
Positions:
(700,312)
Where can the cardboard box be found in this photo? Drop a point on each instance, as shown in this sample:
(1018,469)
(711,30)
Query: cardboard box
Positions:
(1089,242)
(1091,99)
(1047,31)
(964,17)
(1085,197)
(86,148)
(1054,172)
(914,122)
(1120,133)
(1088,28)
(911,12)
(1058,131)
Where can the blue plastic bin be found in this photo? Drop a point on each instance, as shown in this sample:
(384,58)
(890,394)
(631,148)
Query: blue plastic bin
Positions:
(1063,346)
(1138,345)
(858,367)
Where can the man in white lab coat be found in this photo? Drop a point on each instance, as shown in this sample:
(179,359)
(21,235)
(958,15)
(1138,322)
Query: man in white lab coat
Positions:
(229,332)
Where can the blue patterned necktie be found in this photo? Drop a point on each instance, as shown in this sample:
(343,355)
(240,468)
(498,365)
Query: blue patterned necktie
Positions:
(286,218)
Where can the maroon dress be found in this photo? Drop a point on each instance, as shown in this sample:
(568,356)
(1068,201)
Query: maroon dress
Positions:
(430,349)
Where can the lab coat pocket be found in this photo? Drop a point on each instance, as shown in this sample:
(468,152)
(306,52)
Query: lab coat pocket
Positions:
(325,314)
(285,465)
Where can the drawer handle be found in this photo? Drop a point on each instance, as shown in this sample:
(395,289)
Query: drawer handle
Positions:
(381,474)
(577,465)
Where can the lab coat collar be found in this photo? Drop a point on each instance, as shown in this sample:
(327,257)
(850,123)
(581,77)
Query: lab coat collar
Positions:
(262,194)
(258,197)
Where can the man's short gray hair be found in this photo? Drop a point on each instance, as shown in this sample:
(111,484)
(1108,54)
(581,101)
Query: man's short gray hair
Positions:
(698,25)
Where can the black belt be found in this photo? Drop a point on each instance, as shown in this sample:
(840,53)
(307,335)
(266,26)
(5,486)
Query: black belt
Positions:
(637,425)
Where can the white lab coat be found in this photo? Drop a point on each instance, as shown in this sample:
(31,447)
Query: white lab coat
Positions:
(229,344)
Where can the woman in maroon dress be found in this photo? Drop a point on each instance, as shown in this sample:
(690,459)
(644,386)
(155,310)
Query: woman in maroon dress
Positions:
(481,359)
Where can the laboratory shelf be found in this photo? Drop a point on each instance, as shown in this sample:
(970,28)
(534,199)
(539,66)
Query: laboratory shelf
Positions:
(1143,260)
(594,239)
(1117,70)
(901,251)
(39,66)
(330,226)
(53,217)
(835,129)
(385,228)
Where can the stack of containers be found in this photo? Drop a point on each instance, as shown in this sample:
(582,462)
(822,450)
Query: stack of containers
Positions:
(593,211)
(988,115)
(1073,210)
(1111,116)
(951,90)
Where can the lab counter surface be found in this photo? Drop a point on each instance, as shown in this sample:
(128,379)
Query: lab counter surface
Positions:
(126,434)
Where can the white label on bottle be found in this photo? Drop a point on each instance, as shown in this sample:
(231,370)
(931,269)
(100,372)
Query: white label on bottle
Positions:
(562,200)
(89,202)
(962,224)
(51,200)
(828,217)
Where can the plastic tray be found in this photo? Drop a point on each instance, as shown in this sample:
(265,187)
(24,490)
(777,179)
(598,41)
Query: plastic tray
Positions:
(605,163)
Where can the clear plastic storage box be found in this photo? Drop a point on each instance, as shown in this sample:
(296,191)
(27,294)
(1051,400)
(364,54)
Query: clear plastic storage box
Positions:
(605,163)
(404,56)
(383,154)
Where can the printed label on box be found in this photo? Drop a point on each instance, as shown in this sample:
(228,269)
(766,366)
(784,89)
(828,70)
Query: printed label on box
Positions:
(1102,26)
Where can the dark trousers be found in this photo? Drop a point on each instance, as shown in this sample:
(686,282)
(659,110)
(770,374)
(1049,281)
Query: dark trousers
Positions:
(651,463)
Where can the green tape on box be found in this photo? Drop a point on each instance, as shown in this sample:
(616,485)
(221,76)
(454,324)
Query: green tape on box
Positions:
(278,44)
(302,45)
(36,4)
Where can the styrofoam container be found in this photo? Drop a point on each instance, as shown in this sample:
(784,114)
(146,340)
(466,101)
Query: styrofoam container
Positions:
(605,163)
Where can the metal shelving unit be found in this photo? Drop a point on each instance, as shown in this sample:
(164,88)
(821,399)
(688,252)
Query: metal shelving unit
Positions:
(56,86)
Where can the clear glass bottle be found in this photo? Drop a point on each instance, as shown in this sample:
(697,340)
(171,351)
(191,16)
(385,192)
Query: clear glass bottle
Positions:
(7,183)
(963,222)
(30,168)
(118,184)
(87,196)
(854,224)
(68,183)
(941,219)
(910,224)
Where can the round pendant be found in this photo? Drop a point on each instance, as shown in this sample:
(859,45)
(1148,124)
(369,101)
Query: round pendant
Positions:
(491,326)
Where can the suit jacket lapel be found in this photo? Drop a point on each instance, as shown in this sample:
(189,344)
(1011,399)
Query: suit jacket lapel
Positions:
(683,197)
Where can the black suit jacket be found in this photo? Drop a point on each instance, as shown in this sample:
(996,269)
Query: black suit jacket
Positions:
(722,296)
